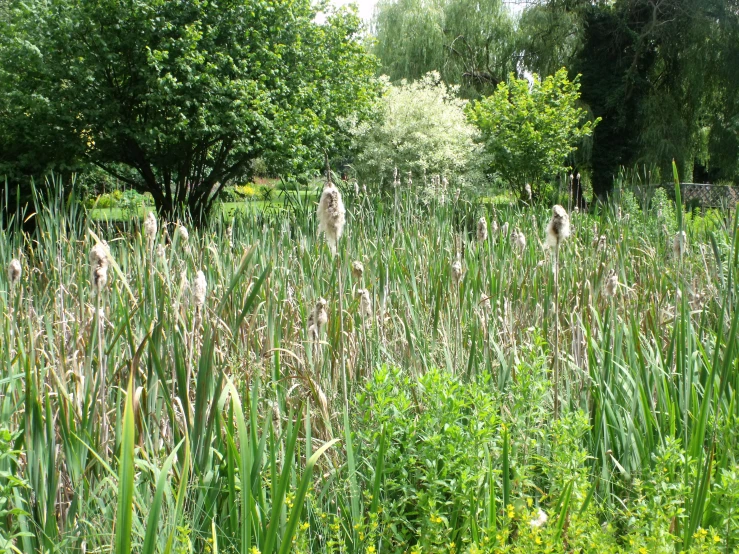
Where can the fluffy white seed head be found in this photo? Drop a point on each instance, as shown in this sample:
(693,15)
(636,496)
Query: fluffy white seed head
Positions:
(611,284)
(150,226)
(527,190)
(14,272)
(494,227)
(230,235)
(558,228)
(482,230)
(365,303)
(200,289)
(504,229)
(357,269)
(518,240)
(331,216)
(318,318)
(99,255)
(182,233)
(161,251)
(457,271)
(680,243)
(602,243)
(540,519)
(100,277)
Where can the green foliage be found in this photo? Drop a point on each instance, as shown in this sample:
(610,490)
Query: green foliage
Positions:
(418,127)
(469,43)
(13,487)
(530,128)
(178,99)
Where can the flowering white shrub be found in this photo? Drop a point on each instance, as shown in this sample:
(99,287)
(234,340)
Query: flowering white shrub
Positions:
(419,127)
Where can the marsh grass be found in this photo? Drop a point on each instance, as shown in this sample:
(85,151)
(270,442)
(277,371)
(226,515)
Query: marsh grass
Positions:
(214,430)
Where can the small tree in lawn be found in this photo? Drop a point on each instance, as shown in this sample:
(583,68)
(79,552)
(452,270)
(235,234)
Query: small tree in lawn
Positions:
(529,128)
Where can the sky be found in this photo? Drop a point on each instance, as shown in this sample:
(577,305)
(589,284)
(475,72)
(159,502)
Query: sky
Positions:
(366,7)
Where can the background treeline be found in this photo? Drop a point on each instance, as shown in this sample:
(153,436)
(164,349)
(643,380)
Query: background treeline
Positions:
(662,74)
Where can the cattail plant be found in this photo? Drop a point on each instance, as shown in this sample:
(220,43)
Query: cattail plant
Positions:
(14,277)
(14,272)
(611,284)
(680,244)
(150,228)
(365,305)
(518,240)
(99,260)
(317,319)
(457,271)
(482,230)
(558,230)
(357,270)
(527,190)
(199,290)
(182,235)
(99,266)
(230,235)
(504,230)
(331,215)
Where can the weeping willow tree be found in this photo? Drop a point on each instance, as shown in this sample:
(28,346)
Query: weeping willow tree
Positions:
(471,43)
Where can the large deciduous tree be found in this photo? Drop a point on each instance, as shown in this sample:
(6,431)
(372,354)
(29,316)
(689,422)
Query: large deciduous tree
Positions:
(178,98)
(530,128)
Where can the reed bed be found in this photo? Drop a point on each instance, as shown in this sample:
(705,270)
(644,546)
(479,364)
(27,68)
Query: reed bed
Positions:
(241,388)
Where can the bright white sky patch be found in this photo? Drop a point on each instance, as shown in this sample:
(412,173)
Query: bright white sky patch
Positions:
(367,7)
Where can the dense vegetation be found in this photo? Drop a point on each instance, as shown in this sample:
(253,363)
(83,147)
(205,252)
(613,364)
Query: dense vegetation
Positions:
(179,403)
(662,74)
(206,347)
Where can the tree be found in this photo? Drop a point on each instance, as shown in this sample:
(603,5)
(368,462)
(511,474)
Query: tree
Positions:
(419,127)
(178,98)
(470,43)
(530,128)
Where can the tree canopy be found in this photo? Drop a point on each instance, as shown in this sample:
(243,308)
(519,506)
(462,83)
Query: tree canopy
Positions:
(471,43)
(177,98)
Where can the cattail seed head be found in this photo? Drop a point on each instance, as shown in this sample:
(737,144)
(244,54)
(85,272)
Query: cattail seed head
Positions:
(365,303)
(602,243)
(357,269)
(230,235)
(100,277)
(317,319)
(200,289)
(611,284)
(482,230)
(527,189)
(161,251)
(558,228)
(504,229)
(99,255)
(331,215)
(680,244)
(14,272)
(182,233)
(150,226)
(518,240)
(494,227)
(457,271)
